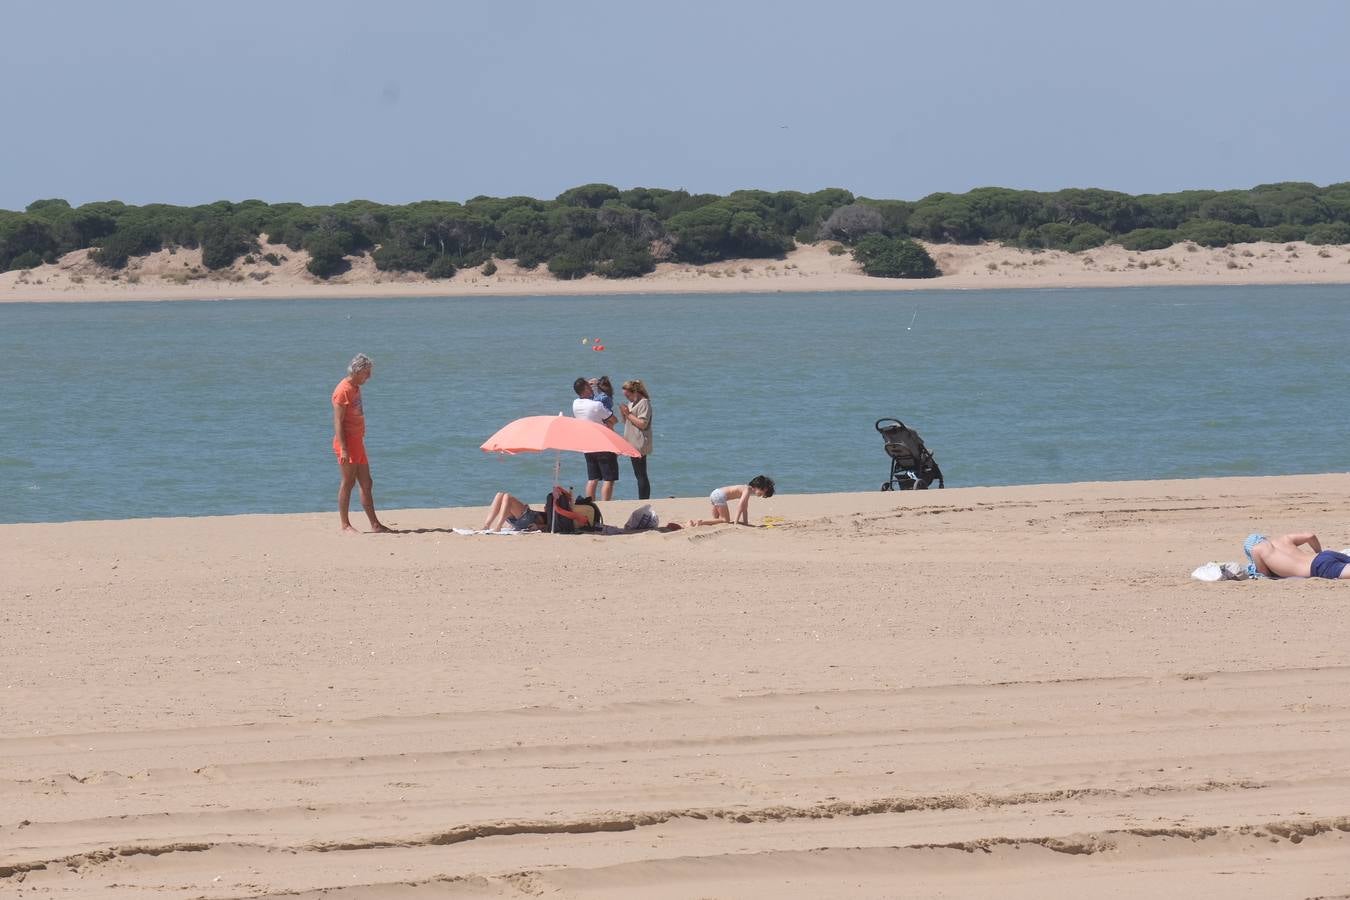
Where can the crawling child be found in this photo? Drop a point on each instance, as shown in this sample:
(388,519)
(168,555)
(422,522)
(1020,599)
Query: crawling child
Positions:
(759,486)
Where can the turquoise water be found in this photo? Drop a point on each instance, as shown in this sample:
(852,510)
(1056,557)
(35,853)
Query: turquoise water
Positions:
(120,410)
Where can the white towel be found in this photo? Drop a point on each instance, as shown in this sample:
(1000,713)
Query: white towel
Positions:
(476,531)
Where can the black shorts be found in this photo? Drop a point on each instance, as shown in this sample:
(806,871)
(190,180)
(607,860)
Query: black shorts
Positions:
(602,466)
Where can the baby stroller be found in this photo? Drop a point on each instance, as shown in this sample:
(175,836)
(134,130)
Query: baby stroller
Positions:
(912,464)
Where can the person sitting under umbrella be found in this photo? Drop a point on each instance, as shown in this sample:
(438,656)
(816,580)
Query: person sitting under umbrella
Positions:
(509,510)
(533,434)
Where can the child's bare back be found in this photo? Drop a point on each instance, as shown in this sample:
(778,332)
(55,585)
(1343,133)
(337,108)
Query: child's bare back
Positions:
(733,491)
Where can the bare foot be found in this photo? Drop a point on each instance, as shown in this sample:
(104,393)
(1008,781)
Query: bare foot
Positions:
(381,529)
(347,529)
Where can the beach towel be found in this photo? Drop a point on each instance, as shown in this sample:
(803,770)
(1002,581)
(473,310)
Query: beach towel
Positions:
(1214,571)
(611,530)
(477,531)
(1247,546)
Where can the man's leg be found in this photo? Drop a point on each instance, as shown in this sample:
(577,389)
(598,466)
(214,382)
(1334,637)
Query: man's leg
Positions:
(348,472)
(366,484)
(592,473)
(609,470)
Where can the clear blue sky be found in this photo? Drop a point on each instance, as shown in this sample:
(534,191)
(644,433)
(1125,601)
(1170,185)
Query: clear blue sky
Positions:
(403,100)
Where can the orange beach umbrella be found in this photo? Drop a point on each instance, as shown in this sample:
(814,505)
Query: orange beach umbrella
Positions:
(534,434)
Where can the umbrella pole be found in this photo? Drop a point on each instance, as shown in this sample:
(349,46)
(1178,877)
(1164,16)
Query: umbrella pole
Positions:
(557,468)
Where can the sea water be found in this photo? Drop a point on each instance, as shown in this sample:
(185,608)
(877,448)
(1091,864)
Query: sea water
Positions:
(115,410)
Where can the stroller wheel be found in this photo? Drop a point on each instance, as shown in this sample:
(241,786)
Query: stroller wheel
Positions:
(886,486)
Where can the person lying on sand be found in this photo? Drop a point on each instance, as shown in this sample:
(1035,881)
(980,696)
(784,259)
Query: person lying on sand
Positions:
(1283,556)
(759,486)
(509,510)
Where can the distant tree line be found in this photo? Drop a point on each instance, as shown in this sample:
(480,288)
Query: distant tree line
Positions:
(599,229)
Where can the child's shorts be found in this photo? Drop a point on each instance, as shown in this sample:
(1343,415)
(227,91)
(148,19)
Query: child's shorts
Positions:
(718,498)
(356,448)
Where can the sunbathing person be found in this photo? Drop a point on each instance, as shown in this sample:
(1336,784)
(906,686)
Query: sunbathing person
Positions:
(759,486)
(509,510)
(1284,556)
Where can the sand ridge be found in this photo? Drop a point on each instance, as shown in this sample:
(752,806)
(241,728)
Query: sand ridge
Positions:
(179,275)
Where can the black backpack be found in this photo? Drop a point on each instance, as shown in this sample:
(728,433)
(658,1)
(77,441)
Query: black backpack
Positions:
(556,524)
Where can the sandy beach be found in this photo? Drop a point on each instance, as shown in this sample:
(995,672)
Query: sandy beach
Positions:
(179,275)
(961,693)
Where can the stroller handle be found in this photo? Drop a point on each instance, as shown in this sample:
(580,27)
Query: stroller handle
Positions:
(881,422)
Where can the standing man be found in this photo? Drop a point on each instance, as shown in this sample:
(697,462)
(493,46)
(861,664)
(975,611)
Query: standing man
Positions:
(602,467)
(349,443)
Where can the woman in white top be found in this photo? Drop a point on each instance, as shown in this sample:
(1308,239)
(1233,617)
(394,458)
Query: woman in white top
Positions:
(637,430)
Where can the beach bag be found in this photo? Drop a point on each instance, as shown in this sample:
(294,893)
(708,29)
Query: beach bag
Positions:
(588,508)
(554,523)
(642,519)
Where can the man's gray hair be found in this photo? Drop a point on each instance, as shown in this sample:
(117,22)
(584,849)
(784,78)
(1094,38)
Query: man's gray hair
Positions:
(360,363)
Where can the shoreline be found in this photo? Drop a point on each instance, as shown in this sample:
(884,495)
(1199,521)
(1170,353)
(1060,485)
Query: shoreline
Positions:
(879,686)
(177,275)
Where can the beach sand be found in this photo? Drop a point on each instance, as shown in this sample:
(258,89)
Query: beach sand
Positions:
(179,275)
(1014,692)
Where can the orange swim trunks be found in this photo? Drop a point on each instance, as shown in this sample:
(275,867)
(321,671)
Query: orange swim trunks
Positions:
(356,446)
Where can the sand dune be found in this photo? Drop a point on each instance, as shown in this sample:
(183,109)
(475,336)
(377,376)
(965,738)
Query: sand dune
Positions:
(178,274)
(968,692)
